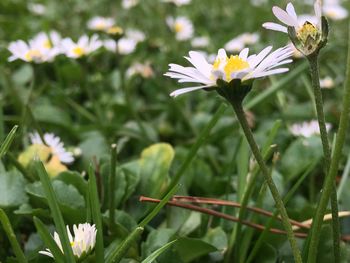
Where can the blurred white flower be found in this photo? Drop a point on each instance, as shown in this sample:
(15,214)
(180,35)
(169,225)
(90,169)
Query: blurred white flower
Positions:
(258,2)
(127,4)
(110,45)
(52,40)
(135,35)
(56,146)
(83,47)
(178,2)
(307,129)
(34,51)
(126,46)
(327,83)
(241,41)
(100,23)
(241,67)
(82,243)
(36,8)
(200,42)
(334,11)
(304,25)
(182,27)
(143,69)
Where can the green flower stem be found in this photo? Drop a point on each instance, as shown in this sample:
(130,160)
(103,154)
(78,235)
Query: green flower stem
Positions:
(4,220)
(329,180)
(237,106)
(314,68)
(112,175)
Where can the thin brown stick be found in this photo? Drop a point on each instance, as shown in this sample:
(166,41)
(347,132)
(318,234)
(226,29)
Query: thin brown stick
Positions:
(205,200)
(219,214)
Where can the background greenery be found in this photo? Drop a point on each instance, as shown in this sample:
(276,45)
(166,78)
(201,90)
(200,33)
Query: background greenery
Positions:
(137,114)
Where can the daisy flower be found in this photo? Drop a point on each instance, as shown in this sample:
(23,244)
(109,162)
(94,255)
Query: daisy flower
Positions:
(56,146)
(36,8)
(127,4)
(126,46)
(307,129)
(327,83)
(242,67)
(306,33)
(178,2)
(84,46)
(143,69)
(334,11)
(82,243)
(182,27)
(100,23)
(135,34)
(37,50)
(52,40)
(200,42)
(241,41)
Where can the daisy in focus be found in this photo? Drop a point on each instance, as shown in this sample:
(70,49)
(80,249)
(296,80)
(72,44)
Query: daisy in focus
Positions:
(181,26)
(52,153)
(243,67)
(307,34)
(307,129)
(238,43)
(84,46)
(82,241)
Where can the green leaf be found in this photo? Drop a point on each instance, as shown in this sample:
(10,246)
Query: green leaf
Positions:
(73,178)
(156,239)
(71,202)
(158,252)
(93,145)
(51,114)
(12,186)
(155,162)
(191,248)
(8,141)
(299,155)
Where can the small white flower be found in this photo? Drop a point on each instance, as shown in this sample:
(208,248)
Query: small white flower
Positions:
(182,27)
(143,69)
(178,2)
(289,18)
(56,146)
(335,11)
(307,129)
(83,241)
(100,23)
(83,47)
(36,8)
(127,4)
(241,66)
(241,41)
(200,42)
(135,35)
(52,40)
(126,46)
(110,45)
(258,2)
(327,83)
(34,51)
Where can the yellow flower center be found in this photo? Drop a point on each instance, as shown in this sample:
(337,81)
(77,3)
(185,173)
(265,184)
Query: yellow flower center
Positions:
(115,30)
(31,54)
(306,31)
(100,25)
(234,64)
(78,51)
(178,27)
(47,44)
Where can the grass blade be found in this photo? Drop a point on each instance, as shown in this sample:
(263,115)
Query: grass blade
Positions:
(55,210)
(12,237)
(158,252)
(96,214)
(7,142)
(48,240)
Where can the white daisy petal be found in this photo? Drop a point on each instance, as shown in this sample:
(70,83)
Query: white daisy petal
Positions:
(284,17)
